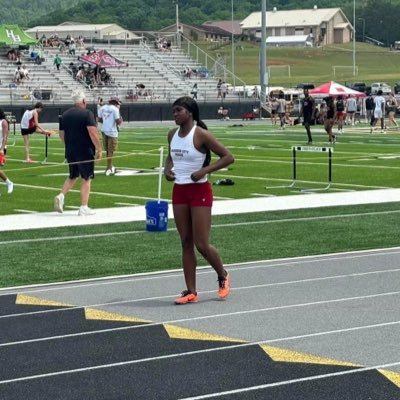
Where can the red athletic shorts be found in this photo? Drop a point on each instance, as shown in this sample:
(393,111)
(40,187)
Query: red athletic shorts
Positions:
(193,194)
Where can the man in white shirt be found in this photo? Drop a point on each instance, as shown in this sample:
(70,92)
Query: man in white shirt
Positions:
(351,109)
(110,117)
(379,101)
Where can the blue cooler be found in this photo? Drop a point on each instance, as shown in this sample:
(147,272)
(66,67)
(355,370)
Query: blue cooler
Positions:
(156,216)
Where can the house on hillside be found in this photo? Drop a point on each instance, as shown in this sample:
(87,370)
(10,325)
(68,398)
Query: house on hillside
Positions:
(88,31)
(209,31)
(325,26)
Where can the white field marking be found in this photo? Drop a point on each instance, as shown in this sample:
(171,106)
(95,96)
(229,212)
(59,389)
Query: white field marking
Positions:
(126,204)
(259,178)
(299,162)
(291,381)
(212,316)
(223,198)
(262,194)
(251,287)
(25,211)
(92,193)
(246,223)
(146,276)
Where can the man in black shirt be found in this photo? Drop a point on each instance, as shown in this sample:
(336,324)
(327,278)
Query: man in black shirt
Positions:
(79,133)
(307,112)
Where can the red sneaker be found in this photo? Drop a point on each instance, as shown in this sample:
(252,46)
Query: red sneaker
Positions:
(187,297)
(224,286)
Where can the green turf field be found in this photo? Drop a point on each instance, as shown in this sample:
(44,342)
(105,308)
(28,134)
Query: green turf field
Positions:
(375,64)
(263,158)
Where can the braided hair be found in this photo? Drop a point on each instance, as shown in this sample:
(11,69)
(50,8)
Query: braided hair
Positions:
(192,106)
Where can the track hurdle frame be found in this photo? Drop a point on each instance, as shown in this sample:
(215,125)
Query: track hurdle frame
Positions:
(313,149)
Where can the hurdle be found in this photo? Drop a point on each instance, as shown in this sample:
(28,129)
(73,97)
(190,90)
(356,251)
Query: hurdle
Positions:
(313,149)
(46,149)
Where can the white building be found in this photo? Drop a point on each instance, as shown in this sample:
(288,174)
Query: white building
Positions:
(325,25)
(88,31)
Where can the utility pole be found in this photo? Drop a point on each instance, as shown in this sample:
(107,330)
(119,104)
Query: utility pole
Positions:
(263,53)
(354,37)
(233,50)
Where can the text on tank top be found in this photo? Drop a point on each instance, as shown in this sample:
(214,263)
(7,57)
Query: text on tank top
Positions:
(186,158)
(1,131)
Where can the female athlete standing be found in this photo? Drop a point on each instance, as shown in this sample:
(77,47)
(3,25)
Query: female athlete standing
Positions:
(188,164)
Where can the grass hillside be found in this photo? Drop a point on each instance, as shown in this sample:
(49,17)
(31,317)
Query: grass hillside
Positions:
(315,64)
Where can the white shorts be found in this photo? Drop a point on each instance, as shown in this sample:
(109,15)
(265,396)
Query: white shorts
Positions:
(378,113)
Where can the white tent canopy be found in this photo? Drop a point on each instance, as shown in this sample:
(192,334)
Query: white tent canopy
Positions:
(291,40)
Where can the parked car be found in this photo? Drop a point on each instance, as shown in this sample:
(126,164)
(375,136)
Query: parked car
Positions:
(305,86)
(396,87)
(360,87)
(386,89)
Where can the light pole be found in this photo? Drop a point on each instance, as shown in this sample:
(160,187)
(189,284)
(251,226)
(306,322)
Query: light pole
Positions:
(354,37)
(363,28)
(263,53)
(178,37)
(177,16)
(233,49)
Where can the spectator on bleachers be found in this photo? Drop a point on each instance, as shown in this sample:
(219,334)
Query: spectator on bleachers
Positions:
(73,68)
(39,57)
(81,41)
(105,77)
(188,72)
(25,73)
(18,59)
(12,55)
(57,61)
(80,75)
(72,47)
(18,76)
(224,90)
(219,93)
(194,91)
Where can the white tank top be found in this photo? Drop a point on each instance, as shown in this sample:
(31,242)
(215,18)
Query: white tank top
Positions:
(187,159)
(28,114)
(1,132)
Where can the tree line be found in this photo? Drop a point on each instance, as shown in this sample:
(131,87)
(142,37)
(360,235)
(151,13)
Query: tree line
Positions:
(375,18)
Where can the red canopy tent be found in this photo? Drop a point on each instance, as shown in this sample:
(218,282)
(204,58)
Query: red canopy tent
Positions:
(335,89)
(103,59)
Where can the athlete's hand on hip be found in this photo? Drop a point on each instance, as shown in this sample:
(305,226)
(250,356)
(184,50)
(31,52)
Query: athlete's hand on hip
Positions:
(169,176)
(196,176)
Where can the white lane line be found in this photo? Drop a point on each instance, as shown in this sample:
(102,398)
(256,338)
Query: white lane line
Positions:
(170,296)
(146,276)
(185,354)
(203,317)
(292,381)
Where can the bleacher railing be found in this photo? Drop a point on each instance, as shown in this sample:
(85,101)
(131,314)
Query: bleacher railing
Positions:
(209,62)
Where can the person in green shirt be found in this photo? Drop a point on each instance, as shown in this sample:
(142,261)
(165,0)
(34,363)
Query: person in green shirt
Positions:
(57,61)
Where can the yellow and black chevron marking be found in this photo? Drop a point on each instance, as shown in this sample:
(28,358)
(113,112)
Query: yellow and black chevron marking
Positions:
(158,361)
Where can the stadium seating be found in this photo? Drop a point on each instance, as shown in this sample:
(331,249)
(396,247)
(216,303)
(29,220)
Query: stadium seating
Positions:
(161,74)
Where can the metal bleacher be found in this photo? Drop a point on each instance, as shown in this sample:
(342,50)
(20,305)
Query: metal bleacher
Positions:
(160,72)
